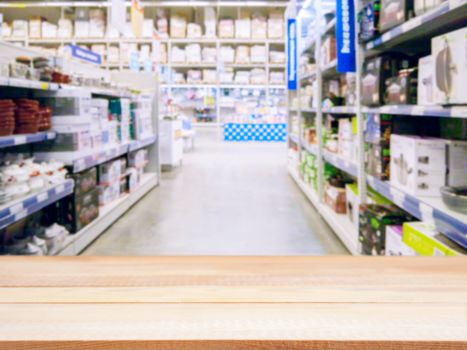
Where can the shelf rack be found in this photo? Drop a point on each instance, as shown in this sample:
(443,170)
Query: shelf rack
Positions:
(447,16)
(140,83)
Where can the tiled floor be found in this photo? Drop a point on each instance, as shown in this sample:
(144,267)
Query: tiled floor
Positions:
(227,199)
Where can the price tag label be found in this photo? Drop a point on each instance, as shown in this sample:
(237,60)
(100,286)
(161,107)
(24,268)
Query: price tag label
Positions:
(20,140)
(44,86)
(41,197)
(16,208)
(59,189)
(21,215)
(398,197)
(427,213)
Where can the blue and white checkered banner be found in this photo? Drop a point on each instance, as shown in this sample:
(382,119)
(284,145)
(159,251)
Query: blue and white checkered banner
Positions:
(255,132)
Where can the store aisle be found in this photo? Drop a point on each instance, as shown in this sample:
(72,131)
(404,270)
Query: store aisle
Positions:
(228,199)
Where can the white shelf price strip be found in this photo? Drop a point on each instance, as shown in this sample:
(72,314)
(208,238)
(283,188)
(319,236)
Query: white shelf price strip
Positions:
(20,208)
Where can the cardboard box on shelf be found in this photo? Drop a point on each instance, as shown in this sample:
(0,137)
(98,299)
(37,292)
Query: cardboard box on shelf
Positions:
(258,54)
(276,25)
(194,31)
(334,197)
(85,181)
(81,29)
(425,81)
(178,24)
(76,212)
(373,220)
(193,53)
(379,160)
(148,28)
(393,13)
(65,28)
(227,54)
(35,27)
(242,54)
(243,26)
(418,165)
(209,22)
(226,28)
(276,57)
(178,55)
(394,243)
(209,54)
(426,241)
(449,53)
(259,26)
(209,76)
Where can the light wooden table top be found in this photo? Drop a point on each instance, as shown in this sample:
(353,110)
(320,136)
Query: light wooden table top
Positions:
(233,303)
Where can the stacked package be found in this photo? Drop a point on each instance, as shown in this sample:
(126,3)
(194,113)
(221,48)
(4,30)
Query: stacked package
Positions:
(194,31)
(97,23)
(209,22)
(209,54)
(82,23)
(226,28)
(112,182)
(346,139)
(227,54)
(258,76)
(193,53)
(178,25)
(276,25)
(242,54)
(243,27)
(259,26)
(178,55)
(258,54)
(100,123)
(141,116)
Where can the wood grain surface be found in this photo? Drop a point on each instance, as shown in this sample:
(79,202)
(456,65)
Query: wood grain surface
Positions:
(233,303)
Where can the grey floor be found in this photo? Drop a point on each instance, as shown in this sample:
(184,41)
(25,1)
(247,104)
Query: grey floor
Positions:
(227,199)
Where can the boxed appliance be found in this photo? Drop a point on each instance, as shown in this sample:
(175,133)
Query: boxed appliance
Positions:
(227,76)
(209,54)
(373,220)
(227,54)
(369,19)
(97,23)
(393,13)
(456,163)
(449,52)
(379,160)
(334,197)
(193,53)
(276,77)
(426,241)
(425,81)
(109,192)
(258,54)
(226,28)
(243,26)
(178,26)
(85,181)
(162,23)
(20,28)
(66,102)
(328,51)
(394,243)
(375,73)
(378,127)
(276,25)
(138,159)
(194,31)
(109,172)
(242,77)
(76,212)
(418,165)
(148,28)
(259,26)
(403,88)
(209,22)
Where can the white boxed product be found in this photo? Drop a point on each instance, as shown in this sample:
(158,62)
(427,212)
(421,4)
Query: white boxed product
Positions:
(113,54)
(258,76)
(108,193)
(20,28)
(345,130)
(35,28)
(394,246)
(97,23)
(346,149)
(101,50)
(227,76)
(209,22)
(457,163)
(162,53)
(65,28)
(227,54)
(178,55)
(148,28)
(193,53)
(113,132)
(6,30)
(242,54)
(276,57)
(418,165)
(49,30)
(275,25)
(128,31)
(194,30)
(243,27)
(178,78)
(449,53)
(178,26)
(425,81)
(242,77)
(194,76)
(145,52)
(81,29)
(258,54)
(209,54)
(112,33)
(259,27)
(125,132)
(352,206)
(162,23)
(277,78)
(209,76)
(226,28)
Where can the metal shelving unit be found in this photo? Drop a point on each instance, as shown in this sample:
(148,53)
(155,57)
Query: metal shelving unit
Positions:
(448,16)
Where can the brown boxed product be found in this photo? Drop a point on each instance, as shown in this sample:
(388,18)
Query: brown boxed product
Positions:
(334,197)
(76,212)
(178,26)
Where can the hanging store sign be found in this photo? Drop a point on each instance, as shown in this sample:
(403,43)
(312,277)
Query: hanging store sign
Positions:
(345,36)
(84,54)
(291,54)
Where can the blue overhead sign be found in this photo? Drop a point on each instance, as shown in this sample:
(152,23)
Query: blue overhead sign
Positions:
(345,36)
(292,54)
(84,54)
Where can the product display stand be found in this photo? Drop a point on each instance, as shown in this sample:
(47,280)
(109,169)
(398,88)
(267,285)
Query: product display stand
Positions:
(130,84)
(416,31)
